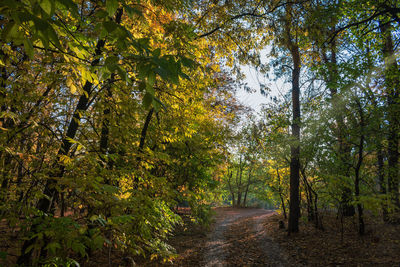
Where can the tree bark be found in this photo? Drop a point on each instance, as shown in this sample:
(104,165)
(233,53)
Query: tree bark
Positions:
(247,188)
(281,195)
(105,127)
(393,108)
(294,208)
(309,195)
(361,226)
(343,149)
(239,183)
(230,174)
(382,183)
(294,205)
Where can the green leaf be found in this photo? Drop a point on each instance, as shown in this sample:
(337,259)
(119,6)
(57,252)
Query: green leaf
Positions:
(147,100)
(110,26)
(98,242)
(28,47)
(11,4)
(143,71)
(122,73)
(79,247)
(30,248)
(159,103)
(53,37)
(110,189)
(156,105)
(157,52)
(72,262)
(132,11)
(142,86)
(70,6)
(3,255)
(101,14)
(111,61)
(40,24)
(162,72)
(111,7)
(48,6)
(52,247)
(184,76)
(187,62)
(174,78)
(41,27)
(93,218)
(25,16)
(101,221)
(150,89)
(10,32)
(151,79)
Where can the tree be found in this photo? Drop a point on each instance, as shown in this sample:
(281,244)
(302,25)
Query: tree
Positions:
(103,127)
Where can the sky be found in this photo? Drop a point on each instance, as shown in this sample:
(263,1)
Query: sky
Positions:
(253,80)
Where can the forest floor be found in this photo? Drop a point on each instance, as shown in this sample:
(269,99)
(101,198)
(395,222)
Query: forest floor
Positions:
(251,237)
(236,238)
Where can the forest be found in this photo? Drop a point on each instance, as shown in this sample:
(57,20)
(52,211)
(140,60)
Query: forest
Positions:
(121,121)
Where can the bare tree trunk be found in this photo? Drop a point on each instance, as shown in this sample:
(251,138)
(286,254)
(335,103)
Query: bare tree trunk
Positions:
(230,187)
(393,107)
(247,188)
(142,141)
(239,183)
(343,149)
(105,131)
(290,42)
(294,207)
(309,195)
(382,183)
(281,195)
(361,226)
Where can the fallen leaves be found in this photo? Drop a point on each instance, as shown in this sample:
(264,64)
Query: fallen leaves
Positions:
(312,247)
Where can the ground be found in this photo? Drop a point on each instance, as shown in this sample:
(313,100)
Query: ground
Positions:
(251,237)
(236,238)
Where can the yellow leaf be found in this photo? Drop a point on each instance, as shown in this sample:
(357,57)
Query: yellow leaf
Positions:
(71,86)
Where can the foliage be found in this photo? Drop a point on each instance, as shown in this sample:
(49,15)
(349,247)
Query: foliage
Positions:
(111,113)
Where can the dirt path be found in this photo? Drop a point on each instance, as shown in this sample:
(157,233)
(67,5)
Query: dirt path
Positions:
(239,239)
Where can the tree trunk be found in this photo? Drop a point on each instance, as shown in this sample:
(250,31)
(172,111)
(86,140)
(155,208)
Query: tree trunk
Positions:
(294,208)
(230,174)
(281,195)
(239,183)
(393,107)
(309,195)
(247,188)
(361,227)
(343,149)
(292,45)
(382,183)
(142,141)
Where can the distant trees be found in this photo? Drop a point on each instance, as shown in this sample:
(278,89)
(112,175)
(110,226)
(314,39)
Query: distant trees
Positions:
(340,60)
(243,171)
